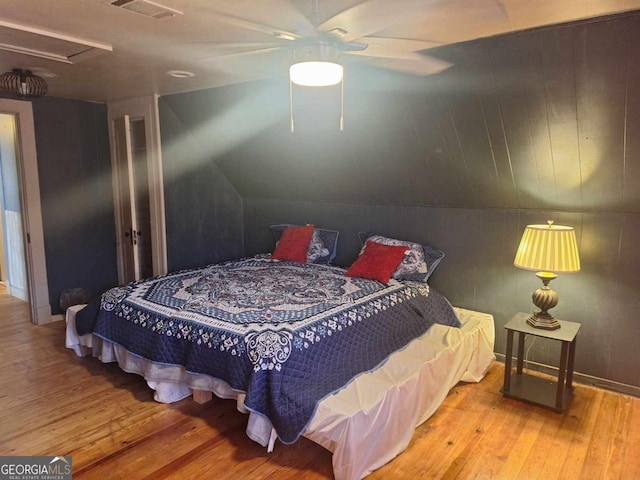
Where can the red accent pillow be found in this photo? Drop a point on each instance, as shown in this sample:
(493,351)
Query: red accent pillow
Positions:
(377,262)
(293,244)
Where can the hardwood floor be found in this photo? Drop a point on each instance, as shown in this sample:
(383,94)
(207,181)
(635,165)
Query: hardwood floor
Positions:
(54,403)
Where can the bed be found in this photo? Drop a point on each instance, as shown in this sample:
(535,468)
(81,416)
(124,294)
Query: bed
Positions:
(350,363)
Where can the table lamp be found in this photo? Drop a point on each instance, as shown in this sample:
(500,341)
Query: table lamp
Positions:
(547,249)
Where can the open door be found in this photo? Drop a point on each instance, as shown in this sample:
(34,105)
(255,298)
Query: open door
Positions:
(22,223)
(138,192)
(125,194)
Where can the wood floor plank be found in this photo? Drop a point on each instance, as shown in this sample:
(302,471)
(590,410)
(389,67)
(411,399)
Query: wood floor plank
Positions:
(632,439)
(52,403)
(448,435)
(145,457)
(599,452)
(614,467)
(551,456)
(499,426)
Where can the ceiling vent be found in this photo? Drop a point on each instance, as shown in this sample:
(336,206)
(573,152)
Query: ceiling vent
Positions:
(147,8)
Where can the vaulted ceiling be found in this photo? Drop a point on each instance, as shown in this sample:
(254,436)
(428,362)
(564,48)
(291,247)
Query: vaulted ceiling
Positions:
(95,50)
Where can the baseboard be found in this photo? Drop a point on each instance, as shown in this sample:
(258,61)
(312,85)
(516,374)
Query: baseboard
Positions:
(57,317)
(42,314)
(581,378)
(49,318)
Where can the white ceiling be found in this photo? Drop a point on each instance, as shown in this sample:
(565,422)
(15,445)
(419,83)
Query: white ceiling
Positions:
(128,54)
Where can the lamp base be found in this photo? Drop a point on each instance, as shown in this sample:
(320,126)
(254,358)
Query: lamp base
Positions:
(544,298)
(544,321)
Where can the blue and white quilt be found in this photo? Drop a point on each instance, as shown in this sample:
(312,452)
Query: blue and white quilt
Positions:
(288,334)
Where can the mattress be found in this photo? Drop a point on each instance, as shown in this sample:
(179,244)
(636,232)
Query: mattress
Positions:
(286,334)
(365,424)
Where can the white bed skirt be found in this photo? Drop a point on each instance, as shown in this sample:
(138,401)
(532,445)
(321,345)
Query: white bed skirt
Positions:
(367,423)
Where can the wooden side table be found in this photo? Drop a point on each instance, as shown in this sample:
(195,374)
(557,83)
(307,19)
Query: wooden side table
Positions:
(533,389)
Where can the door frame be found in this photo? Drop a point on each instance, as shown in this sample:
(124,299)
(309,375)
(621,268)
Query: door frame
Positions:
(35,258)
(147,108)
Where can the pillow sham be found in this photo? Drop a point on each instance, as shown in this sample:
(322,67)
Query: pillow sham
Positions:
(293,244)
(322,249)
(419,262)
(377,261)
(316,249)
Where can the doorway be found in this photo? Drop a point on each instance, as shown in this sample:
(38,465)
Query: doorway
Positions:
(12,262)
(23,261)
(138,189)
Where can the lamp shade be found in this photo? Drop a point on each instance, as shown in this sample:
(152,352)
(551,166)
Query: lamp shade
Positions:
(548,248)
(23,83)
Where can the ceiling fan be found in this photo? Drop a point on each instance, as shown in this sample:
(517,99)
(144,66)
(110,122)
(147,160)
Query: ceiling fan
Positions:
(317,46)
(350,32)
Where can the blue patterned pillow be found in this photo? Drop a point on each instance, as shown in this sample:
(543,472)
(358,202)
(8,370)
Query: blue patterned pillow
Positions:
(322,249)
(419,262)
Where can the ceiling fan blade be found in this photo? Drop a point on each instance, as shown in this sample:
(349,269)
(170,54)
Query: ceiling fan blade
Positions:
(241,53)
(421,65)
(336,37)
(232,47)
(255,26)
(304,24)
(394,47)
(372,16)
(251,65)
(353,46)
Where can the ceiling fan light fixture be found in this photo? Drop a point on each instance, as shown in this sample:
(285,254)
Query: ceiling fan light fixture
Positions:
(316,65)
(316,73)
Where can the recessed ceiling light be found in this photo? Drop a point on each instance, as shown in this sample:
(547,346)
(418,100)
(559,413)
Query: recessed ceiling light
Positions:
(181,74)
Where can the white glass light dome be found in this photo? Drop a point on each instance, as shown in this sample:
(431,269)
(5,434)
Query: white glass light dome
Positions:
(316,73)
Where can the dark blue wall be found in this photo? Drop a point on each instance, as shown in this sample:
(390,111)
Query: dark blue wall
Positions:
(203,210)
(478,273)
(76,194)
(538,120)
(523,128)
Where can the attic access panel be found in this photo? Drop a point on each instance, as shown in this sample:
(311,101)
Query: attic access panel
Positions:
(41,43)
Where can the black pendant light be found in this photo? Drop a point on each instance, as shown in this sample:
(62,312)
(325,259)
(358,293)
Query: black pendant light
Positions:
(23,83)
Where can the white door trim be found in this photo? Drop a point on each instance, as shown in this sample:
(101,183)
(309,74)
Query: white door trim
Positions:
(146,107)
(31,210)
